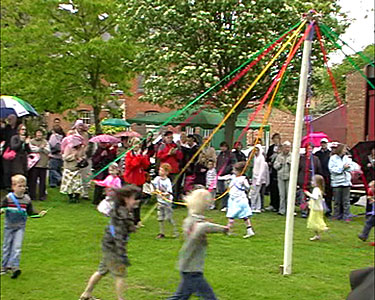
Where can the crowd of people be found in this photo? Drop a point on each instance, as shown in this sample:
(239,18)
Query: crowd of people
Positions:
(174,166)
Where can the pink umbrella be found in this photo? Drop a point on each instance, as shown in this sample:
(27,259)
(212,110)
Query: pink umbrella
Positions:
(71,141)
(314,138)
(104,138)
(128,134)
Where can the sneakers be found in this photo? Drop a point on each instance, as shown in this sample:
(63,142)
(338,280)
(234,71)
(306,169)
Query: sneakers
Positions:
(269,208)
(4,271)
(224,209)
(315,238)
(160,236)
(362,238)
(249,233)
(256,211)
(15,274)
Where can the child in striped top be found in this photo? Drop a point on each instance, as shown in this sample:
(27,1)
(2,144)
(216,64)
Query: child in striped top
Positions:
(17,206)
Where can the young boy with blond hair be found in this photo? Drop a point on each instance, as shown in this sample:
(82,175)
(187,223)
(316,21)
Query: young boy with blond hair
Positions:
(193,251)
(164,196)
(16,206)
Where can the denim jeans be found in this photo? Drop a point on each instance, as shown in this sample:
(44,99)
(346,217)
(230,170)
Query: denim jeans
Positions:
(193,282)
(55,174)
(221,188)
(12,246)
(341,198)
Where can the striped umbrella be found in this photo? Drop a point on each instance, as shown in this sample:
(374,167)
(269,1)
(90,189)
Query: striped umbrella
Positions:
(13,105)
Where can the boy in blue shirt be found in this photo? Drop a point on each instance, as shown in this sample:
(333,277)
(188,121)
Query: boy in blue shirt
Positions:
(16,206)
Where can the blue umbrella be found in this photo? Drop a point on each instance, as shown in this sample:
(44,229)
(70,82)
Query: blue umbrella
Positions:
(12,105)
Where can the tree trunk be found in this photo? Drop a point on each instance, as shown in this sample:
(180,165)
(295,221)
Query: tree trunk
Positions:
(230,126)
(98,128)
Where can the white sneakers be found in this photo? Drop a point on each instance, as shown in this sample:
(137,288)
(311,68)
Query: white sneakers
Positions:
(224,209)
(249,233)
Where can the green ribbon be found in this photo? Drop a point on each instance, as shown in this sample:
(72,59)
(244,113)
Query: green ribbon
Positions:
(326,32)
(179,112)
(360,53)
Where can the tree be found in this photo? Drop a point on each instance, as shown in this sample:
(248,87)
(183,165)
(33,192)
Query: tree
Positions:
(56,55)
(323,87)
(187,46)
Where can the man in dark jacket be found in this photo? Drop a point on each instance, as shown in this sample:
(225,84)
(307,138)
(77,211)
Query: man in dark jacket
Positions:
(309,165)
(224,165)
(323,155)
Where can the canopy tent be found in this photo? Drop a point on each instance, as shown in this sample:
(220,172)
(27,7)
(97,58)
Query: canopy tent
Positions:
(115,123)
(206,119)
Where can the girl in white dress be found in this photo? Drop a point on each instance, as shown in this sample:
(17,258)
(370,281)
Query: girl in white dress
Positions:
(315,222)
(238,203)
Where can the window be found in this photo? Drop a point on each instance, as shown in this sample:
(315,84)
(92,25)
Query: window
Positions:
(151,112)
(86,116)
(140,81)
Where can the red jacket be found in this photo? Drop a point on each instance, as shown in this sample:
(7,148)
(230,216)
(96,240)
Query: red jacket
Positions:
(135,166)
(173,160)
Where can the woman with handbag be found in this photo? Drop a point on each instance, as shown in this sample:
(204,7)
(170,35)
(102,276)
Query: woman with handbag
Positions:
(8,131)
(38,169)
(19,143)
(71,184)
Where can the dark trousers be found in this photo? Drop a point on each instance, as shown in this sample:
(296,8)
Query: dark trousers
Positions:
(176,187)
(221,188)
(193,283)
(6,174)
(328,193)
(137,210)
(370,222)
(98,194)
(274,193)
(35,174)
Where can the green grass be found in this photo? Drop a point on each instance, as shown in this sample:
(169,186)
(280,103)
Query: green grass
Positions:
(62,250)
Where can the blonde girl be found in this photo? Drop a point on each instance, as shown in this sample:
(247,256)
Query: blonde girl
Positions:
(315,221)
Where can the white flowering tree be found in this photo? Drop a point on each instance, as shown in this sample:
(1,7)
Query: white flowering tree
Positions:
(57,54)
(187,46)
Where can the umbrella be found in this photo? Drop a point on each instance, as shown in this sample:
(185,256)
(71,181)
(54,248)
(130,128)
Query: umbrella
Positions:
(115,123)
(16,106)
(104,138)
(314,138)
(128,134)
(207,118)
(72,141)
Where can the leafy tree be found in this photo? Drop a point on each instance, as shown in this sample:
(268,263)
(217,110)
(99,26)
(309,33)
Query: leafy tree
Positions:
(57,55)
(323,87)
(186,46)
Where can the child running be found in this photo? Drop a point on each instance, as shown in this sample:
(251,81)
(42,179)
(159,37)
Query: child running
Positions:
(193,251)
(115,259)
(163,186)
(17,206)
(238,202)
(315,221)
(370,221)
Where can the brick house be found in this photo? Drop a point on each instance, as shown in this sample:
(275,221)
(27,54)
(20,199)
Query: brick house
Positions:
(354,121)
(279,121)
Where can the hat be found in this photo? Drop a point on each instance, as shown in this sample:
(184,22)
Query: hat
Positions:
(334,144)
(78,122)
(324,140)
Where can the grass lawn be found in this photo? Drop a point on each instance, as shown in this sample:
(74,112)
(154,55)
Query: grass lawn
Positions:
(62,250)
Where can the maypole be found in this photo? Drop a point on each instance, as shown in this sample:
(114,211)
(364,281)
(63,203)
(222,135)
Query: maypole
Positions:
(288,243)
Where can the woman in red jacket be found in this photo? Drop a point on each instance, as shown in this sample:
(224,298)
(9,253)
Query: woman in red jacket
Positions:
(136,162)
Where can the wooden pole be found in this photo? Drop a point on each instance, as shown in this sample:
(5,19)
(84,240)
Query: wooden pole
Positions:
(288,243)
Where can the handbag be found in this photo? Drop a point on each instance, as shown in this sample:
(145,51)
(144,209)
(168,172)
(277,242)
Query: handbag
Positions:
(32,160)
(82,164)
(9,154)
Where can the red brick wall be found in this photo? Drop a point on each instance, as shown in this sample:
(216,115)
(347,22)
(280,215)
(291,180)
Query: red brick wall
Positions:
(280,122)
(356,108)
(133,106)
